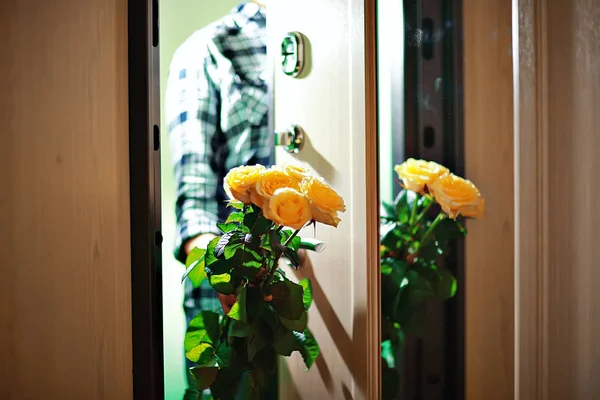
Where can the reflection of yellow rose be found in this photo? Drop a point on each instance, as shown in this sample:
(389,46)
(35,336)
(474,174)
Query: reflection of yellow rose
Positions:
(325,202)
(416,174)
(288,207)
(240,182)
(458,196)
(269,181)
(296,172)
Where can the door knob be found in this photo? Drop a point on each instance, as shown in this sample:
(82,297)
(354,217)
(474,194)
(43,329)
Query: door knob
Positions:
(292,139)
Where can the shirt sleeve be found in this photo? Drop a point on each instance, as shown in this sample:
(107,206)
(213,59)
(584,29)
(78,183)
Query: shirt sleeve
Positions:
(191,104)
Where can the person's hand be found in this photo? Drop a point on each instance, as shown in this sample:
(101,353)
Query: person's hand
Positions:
(227,301)
(302,255)
(201,242)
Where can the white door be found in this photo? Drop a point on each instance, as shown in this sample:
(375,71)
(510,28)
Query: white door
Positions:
(333,100)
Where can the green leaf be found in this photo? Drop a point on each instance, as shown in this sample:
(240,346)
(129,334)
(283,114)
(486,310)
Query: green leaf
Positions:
(298,325)
(238,311)
(389,382)
(203,377)
(403,207)
(271,318)
(287,299)
(231,249)
(227,383)
(210,257)
(397,270)
(292,255)
(295,243)
(445,287)
(227,227)
(223,355)
(202,354)
(247,264)
(391,236)
(236,204)
(236,218)
(203,328)
(275,237)
(415,320)
(430,252)
(195,267)
(240,329)
(218,267)
(285,342)
(390,211)
(387,353)
(420,289)
(202,333)
(251,216)
(222,283)
(309,348)
(255,302)
(307,296)
(265,242)
(449,229)
(267,360)
(386,269)
(251,262)
(194,256)
(429,272)
(256,342)
(261,225)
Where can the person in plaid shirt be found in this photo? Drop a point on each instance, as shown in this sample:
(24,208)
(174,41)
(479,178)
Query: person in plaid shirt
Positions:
(217,111)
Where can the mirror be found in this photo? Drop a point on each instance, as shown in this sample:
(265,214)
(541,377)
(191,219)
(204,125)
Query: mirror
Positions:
(426,200)
(419,118)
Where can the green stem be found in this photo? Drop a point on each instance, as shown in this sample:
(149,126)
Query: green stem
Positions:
(279,228)
(413,214)
(441,216)
(291,238)
(424,213)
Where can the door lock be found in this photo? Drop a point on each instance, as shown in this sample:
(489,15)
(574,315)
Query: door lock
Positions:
(292,54)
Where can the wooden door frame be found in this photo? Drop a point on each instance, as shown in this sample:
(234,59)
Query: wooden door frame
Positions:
(533,119)
(373,267)
(145,202)
(531,197)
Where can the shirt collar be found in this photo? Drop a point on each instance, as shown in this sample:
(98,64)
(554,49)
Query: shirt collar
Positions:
(247,12)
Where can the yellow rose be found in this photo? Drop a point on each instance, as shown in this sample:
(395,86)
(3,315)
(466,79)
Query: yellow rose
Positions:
(416,174)
(239,183)
(288,207)
(458,196)
(296,172)
(325,202)
(269,181)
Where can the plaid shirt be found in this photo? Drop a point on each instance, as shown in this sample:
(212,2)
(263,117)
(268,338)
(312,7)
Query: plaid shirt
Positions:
(217,111)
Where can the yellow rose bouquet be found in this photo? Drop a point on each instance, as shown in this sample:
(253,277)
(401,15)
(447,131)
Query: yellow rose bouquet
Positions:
(416,233)
(264,312)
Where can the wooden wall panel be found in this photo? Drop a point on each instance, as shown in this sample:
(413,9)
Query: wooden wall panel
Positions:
(65,309)
(558,262)
(489,248)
